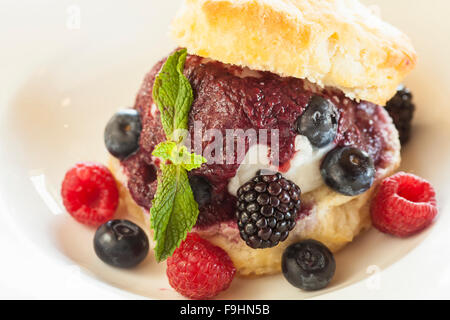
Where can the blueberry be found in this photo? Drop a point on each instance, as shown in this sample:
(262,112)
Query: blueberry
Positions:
(319,122)
(201,189)
(121,243)
(348,170)
(122,133)
(308,265)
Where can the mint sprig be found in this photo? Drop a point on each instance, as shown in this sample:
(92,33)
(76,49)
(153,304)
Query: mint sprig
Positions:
(174,210)
(179,155)
(173,94)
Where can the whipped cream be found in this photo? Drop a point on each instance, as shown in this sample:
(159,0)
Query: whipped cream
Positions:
(154,110)
(304,167)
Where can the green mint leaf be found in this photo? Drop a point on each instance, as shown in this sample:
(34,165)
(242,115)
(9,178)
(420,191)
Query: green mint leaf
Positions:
(173,94)
(174,210)
(178,155)
(164,150)
(193,161)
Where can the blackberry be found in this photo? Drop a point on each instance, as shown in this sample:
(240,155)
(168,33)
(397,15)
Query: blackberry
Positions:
(267,210)
(401,109)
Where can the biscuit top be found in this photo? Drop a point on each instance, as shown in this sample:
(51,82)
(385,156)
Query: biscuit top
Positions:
(337,43)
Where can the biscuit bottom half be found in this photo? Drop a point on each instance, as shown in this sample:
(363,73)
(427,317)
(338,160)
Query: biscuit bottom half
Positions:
(333,219)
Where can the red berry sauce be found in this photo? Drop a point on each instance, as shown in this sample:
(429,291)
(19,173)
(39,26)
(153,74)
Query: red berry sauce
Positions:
(226,99)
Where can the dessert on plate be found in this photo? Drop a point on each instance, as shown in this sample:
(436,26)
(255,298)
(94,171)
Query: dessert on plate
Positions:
(265,134)
(259,65)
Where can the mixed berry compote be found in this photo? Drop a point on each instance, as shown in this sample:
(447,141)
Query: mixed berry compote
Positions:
(231,97)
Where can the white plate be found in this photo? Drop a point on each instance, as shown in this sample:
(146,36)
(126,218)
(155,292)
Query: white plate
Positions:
(61,79)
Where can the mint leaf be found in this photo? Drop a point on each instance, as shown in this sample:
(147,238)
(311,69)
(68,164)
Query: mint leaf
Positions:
(174,210)
(178,155)
(173,94)
(164,150)
(193,161)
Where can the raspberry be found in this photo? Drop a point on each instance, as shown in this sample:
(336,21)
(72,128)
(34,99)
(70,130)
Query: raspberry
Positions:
(199,269)
(90,193)
(404,205)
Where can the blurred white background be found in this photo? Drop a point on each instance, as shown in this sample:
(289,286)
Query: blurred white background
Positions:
(92,55)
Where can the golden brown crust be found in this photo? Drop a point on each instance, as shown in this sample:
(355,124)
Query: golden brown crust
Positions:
(337,43)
